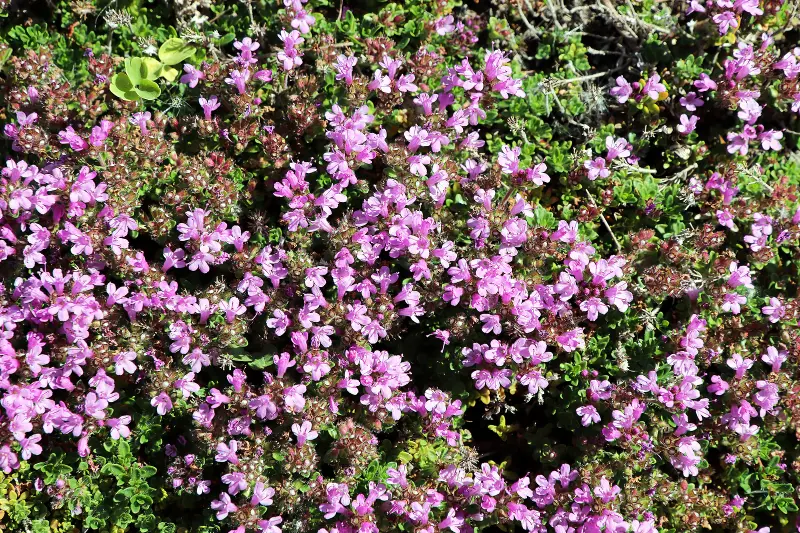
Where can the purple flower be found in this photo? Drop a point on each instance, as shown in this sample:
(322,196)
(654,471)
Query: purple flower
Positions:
(209,105)
(238,78)
(622,91)
(653,87)
(304,432)
(162,403)
(226,453)
(705,83)
(223,506)
(597,168)
(687,125)
(140,119)
(775,311)
(588,414)
(192,75)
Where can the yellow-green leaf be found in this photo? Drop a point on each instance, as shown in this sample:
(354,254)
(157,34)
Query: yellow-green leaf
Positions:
(153,68)
(148,90)
(135,69)
(169,73)
(174,51)
(122,87)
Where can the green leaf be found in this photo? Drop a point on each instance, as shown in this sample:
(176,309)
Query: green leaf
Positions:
(169,73)
(166,527)
(125,451)
(544,218)
(123,494)
(124,519)
(226,39)
(94,522)
(135,69)
(147,471)
(174,51)
(152,68)
(113,469)
(261,363)
(121,87)
(148,90)
(40,526)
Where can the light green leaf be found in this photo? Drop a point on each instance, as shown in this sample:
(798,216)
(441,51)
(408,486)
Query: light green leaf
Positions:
(148,90)
(135,69)
(169,73)
(153,68)
(174,51)
(122,87)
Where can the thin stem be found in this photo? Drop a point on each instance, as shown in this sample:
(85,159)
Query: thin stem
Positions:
(605,222)
(583,78)
(554,14)
(525,19)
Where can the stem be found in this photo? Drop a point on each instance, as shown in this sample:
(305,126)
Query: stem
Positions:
(605,222)
(524,18)
(508,195)
(554,14)
(584,78)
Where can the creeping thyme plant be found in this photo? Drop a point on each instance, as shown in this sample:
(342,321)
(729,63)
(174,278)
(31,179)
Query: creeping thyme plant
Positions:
(428,266)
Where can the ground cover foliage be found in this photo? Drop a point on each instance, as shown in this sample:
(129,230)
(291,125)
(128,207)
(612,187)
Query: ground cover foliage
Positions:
(425,266)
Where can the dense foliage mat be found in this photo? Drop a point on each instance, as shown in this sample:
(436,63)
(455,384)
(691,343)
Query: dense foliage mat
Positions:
(425,266)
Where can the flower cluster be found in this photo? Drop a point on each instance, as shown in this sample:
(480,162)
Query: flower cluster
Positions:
(349,272)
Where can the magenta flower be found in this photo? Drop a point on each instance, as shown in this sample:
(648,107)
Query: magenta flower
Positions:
(223,506)
(140,119)
(209,105)
(162,403)
(775,311)
(597,168)
(687,125)
(622,91)
(192,75)
(304,432)
(226,453)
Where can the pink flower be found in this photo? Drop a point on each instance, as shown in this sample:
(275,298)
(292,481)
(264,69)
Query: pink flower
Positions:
(622,91)
(653,87)
(226,453)
(687,125)
(775,311)
(209,105)
(774,358)
(223,506)
(192,75)
(162,403)
(725,21)
(232,309)
(588,414)
(691,101)
(303,432)
(770,140)
(739,364)
(606,491)
(597,168)
(262,495)
(593,307)
(732,302)
(119,427)
(705,83)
